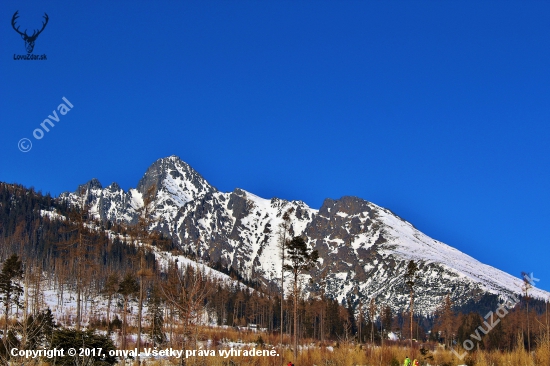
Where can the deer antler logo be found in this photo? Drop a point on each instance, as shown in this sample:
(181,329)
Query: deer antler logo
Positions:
(29,40)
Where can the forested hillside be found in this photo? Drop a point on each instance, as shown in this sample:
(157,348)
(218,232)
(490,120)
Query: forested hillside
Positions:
(64,271)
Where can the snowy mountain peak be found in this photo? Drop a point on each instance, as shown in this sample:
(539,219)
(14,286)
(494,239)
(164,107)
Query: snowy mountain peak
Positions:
(93,184)
(114,187)
(176,184)
(173,174)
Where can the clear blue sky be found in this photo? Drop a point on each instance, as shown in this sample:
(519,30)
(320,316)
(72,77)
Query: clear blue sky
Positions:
(437,110)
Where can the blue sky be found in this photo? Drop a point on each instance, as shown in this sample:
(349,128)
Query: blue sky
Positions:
(437,110)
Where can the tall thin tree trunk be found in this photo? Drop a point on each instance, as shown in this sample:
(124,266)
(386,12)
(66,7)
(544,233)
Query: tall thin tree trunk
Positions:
(372,331)
(528,335)
(171,325)
(78,282)
(360,321)
(322,323)
(295,315)
(124,325)
(78,314)
(26,313)
(109,309)
(282,298)
(6,312)
(381,331)
(140,307)
(411,319)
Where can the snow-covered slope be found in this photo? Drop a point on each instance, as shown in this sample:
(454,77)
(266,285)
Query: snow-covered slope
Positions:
(364,249)
(63,303)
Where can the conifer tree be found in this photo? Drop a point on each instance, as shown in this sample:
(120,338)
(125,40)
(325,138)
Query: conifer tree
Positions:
(36,331)
(283,239)
(410,279)
(72,338)
(300,259)
(10,289)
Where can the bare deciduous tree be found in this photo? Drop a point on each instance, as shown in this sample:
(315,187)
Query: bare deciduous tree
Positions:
(187,289)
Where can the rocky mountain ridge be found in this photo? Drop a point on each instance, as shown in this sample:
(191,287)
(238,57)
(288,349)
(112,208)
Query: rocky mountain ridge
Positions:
(364,249)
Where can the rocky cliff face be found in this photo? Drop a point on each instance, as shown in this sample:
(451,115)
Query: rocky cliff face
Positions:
(364,249)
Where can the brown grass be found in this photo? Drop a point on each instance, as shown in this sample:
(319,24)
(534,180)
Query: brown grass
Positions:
(350,354)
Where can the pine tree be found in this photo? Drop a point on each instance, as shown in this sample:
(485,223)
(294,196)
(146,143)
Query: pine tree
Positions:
(37,330)
(71,338)
(283,239)
(10,289)
(410,278)
(301,260)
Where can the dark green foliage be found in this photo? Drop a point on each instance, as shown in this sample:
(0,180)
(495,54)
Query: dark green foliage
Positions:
(469,324)
(70,338)
(39,329)
(34,333)
(129,286)
(10,289)
(299,256)
(410,275)
(116,323)
(496,338)
(481,305)
(333,324)
(394,362)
